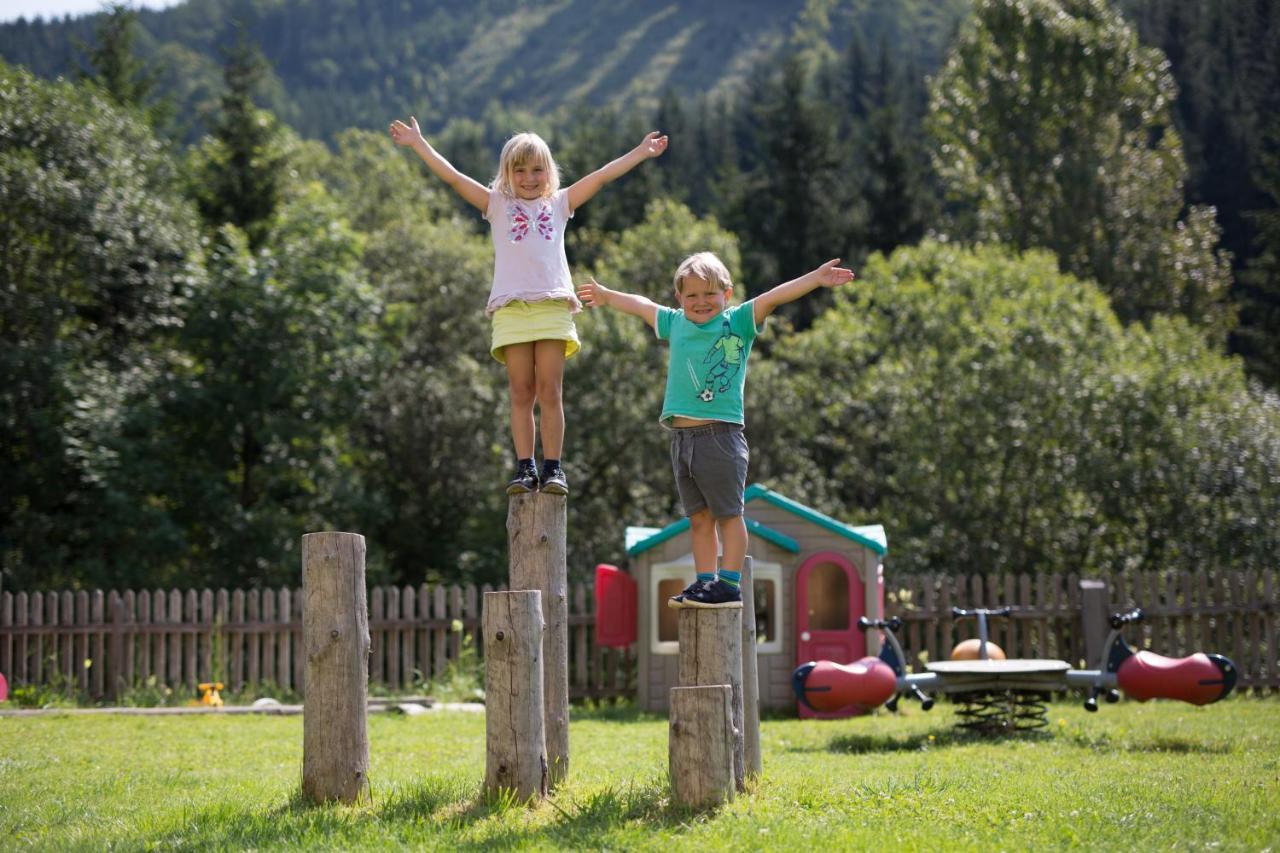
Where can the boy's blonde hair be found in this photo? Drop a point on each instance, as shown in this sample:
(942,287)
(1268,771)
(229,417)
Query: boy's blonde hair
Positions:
(525,149)
(706,266)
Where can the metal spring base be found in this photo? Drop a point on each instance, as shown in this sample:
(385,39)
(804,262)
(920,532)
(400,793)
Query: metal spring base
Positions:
(994,712)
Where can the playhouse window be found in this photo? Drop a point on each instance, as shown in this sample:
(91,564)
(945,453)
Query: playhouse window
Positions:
(770,609)
(666,580)
(668,617)
(828,594)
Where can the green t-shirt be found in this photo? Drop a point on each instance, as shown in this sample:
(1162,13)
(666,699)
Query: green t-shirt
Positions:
(707,365)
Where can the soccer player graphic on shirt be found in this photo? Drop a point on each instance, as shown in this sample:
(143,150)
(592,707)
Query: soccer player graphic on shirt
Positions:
(725,357)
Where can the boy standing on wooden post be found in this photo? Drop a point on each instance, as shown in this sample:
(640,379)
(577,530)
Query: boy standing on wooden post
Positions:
(706,374)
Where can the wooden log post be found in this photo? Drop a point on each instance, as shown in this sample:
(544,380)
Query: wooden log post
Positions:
(700,747)
(335,632)
(750,677)
(515,742)
(536,526)
(1094,620)
(711,653)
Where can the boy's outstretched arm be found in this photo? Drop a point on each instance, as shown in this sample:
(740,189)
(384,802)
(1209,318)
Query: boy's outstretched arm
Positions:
(584,188)
(470,189)
(827,275)
(594,294)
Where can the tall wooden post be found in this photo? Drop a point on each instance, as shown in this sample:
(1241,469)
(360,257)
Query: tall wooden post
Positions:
(711,653)
(515,744)
(335,636)
(1094,623)
(536,544)
(700,745)
(750,676)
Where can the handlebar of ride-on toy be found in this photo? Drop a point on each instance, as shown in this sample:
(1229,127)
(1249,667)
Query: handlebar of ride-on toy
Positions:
(1198,679)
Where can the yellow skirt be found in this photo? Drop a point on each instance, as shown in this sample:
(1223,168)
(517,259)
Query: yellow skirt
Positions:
(524,322)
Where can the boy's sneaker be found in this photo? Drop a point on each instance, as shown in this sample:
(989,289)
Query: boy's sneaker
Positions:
(554,482)
(715,594)
(678,600)
(525,481)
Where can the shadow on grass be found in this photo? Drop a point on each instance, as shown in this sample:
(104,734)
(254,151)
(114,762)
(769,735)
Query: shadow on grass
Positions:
(588,821)
(1106,742)
(938,738)
(447,810)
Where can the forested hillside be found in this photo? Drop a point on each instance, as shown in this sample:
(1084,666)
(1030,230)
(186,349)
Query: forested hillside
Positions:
(352,63)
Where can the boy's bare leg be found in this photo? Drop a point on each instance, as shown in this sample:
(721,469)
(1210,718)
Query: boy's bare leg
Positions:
(548,366)
(523,387)
(733,533)
(702,529)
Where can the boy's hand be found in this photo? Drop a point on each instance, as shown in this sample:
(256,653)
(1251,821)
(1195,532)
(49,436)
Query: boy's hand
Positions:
(593,294)
(830,275)
(405,134)
(652,145)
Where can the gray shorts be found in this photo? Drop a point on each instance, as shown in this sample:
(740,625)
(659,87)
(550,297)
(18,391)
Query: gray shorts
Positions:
(710,464)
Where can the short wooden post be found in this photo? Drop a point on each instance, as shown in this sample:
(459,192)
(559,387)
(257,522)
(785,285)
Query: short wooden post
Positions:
(515,751)
(536,544)
(1093,619)
(701,745)
(335,633)
(750,677)
(711,653)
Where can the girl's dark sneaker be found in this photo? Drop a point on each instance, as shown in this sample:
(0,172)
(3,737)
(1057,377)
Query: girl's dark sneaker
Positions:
(678,600)
(525,481)
(715,594)
(554,482)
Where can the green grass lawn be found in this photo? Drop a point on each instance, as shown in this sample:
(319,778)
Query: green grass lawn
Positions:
(1160,775)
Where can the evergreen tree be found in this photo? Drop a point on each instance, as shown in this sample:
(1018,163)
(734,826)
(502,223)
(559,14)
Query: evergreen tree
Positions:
(1052,128)
(238,172)
(112,64)
(788,204)
(1257,338)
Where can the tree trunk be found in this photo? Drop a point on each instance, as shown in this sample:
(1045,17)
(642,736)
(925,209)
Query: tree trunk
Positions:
(515,744)
(711,653)
(335,633)
(750,676)
(536,526)
(701,745)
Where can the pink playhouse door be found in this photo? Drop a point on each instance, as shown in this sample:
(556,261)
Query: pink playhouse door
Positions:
(829,600)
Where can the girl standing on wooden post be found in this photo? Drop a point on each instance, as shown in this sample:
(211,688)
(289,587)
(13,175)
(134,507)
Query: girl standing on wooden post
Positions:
(531,300)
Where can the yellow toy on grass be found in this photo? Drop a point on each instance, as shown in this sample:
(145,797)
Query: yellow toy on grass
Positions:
(209,694)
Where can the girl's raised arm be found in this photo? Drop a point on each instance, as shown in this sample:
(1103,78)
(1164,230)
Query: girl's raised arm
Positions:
(469,188)
(581,192)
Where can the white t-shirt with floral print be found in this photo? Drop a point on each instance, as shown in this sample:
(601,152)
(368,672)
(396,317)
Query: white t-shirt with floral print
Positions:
(529,263)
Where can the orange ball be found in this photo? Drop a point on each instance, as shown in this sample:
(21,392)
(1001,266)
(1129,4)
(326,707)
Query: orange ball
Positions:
(968,650)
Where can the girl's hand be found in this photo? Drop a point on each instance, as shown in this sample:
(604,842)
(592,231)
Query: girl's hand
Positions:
(830,275)
(653,145)
(405,134)
(593,294)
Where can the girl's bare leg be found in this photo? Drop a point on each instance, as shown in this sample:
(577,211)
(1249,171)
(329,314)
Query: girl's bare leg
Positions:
(548,366)
(523,387)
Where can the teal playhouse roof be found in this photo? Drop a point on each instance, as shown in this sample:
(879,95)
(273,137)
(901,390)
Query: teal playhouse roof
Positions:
(641,539)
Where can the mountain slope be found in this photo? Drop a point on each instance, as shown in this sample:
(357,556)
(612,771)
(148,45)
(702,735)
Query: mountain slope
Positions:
(342,63)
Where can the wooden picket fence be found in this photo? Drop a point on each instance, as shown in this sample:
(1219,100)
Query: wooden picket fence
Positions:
(1230,613)
(102,642)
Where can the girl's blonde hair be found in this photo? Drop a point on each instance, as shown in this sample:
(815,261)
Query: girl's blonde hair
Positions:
(525,149)
(706,266)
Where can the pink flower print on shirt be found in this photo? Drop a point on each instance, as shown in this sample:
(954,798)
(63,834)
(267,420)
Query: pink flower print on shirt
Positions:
(521,221)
